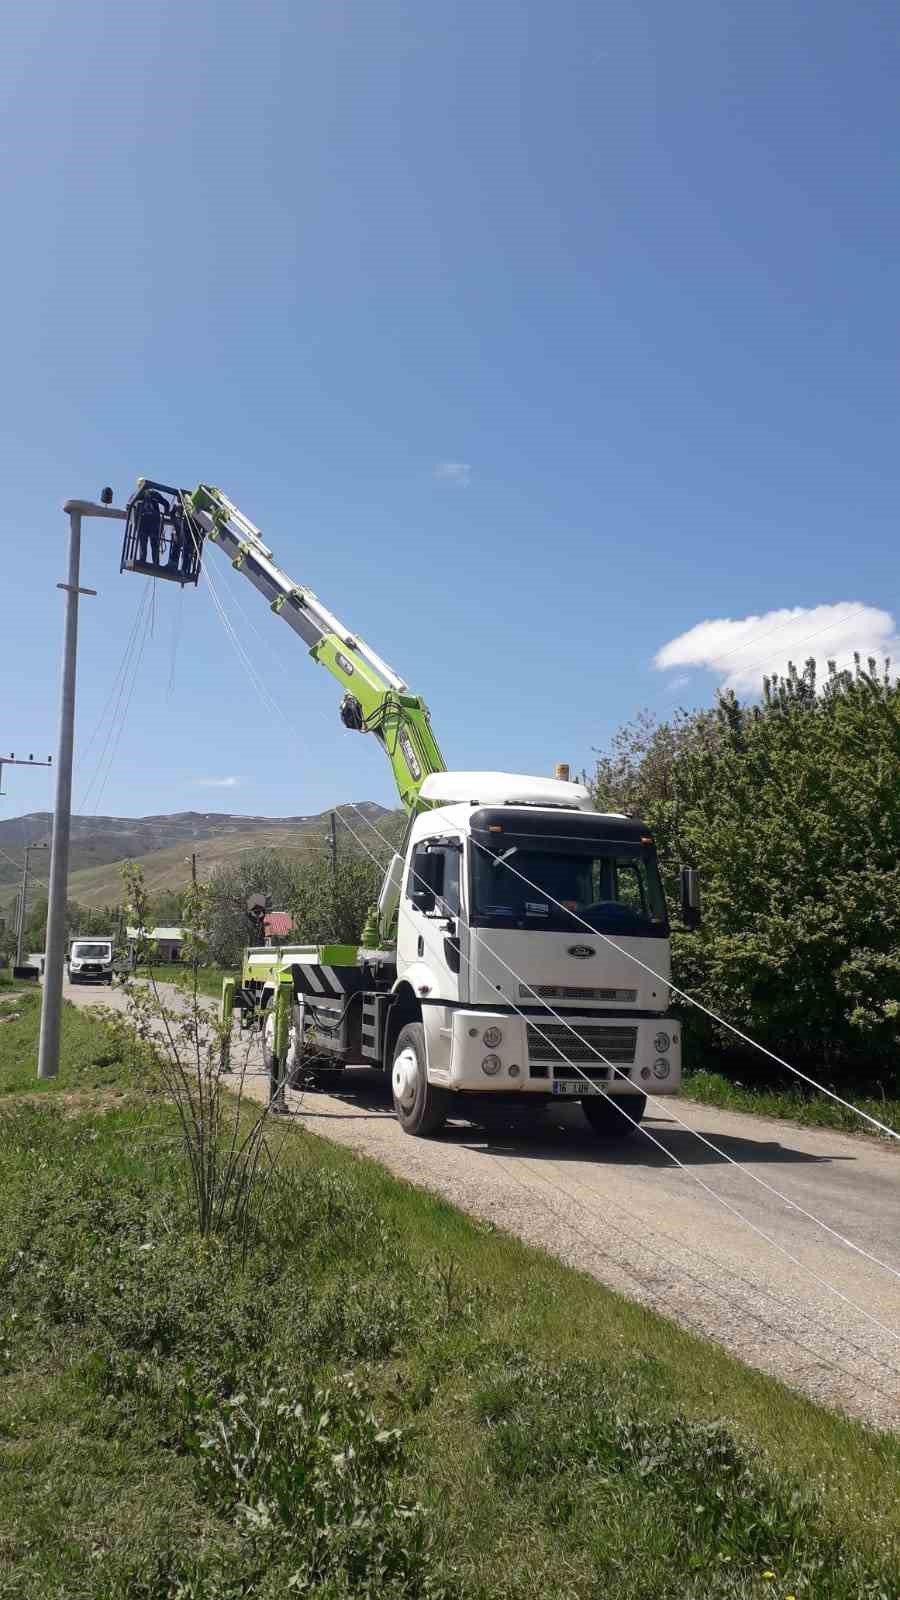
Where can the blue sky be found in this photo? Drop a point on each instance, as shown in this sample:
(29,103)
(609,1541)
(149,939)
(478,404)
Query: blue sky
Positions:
(532,336)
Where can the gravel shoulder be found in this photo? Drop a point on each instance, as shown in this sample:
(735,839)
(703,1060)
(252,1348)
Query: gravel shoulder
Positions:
(660,1233)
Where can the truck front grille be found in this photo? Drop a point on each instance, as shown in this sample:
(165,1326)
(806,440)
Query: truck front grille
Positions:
(560,991)
(553,1044)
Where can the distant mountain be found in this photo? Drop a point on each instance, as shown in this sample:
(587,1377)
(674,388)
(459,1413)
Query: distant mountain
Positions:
(100,844)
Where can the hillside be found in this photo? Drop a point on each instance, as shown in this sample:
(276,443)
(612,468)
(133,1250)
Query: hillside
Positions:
(163,845)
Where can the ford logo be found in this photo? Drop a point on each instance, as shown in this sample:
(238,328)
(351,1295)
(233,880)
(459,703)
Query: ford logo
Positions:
(582,951)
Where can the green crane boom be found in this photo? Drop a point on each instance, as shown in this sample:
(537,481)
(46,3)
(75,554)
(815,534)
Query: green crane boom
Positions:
(375,699)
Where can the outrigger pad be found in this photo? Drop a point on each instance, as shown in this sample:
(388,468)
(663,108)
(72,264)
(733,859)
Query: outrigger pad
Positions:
(161,538)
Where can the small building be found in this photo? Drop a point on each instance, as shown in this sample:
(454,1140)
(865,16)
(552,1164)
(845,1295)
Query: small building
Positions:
(277,925)
(169,942)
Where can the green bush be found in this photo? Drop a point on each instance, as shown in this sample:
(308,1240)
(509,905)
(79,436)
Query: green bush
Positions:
(791,811)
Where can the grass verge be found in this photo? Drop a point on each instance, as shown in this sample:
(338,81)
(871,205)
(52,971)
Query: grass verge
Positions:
(209,979)
(383,1398)
(810,1109)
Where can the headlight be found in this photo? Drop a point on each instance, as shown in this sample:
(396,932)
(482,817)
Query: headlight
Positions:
(661,1068)
(492,1037)
(661,1043)
(491,1065)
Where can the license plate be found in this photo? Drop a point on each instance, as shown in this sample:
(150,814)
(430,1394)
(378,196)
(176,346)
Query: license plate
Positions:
(577,1086)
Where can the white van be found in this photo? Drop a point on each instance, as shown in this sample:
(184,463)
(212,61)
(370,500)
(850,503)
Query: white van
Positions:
(90,961)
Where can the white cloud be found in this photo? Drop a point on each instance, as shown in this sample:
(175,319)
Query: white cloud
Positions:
(216,783)
(457,472)
(742,651)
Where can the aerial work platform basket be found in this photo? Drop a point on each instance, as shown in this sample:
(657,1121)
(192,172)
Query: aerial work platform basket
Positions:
(162,538)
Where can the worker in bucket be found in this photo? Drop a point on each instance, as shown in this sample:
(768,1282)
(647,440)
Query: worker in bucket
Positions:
(178,535)
(192,540)
(148,508)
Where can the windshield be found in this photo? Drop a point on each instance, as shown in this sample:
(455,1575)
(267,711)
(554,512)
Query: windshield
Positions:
(613,887)
(91,952)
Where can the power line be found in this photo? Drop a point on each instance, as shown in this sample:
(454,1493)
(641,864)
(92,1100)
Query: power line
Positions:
(120,714)
(118,692)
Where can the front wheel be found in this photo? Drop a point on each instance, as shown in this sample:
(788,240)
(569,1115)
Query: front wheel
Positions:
(609,1119)
(421,1107)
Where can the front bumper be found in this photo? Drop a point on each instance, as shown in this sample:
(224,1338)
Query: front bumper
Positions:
(556,1055)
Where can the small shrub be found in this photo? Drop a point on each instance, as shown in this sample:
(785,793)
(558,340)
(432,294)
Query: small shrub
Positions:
(312,1480)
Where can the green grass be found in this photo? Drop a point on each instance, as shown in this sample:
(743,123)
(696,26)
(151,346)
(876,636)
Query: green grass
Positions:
(810,1109)
(385,1399)
(92,1057)
(209,979)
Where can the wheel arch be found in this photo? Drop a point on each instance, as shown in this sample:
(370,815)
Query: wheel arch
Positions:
(405,1008)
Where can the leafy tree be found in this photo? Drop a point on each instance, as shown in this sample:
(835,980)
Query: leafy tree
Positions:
(791,809)
(166,907)
(333,906)
(258,872)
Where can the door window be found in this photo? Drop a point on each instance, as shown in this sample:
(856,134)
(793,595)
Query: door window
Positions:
(435,866)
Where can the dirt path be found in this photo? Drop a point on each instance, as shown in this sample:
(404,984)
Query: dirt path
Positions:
(631,1218)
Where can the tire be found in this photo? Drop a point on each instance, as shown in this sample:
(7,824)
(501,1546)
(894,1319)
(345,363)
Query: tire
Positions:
(421,1108)
(606,1121)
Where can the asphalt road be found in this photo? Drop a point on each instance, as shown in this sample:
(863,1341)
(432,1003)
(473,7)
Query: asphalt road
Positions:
(660,1234)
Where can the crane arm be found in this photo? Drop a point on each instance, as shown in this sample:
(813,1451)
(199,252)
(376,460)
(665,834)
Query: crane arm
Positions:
(375,699)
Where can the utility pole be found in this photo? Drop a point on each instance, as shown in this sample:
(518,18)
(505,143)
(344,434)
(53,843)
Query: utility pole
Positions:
(23,902)
(51,1010)
(333,850)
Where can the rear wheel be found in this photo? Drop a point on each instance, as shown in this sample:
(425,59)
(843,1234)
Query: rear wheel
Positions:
(609,1119)
(421,1107)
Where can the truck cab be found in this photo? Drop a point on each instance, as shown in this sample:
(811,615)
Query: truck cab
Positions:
(531,961)
(90,961)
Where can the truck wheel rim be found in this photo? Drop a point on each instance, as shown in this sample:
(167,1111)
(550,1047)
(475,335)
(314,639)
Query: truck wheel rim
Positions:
(405,1078)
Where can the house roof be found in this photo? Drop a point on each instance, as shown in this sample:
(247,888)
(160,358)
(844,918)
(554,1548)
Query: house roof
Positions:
(155,933)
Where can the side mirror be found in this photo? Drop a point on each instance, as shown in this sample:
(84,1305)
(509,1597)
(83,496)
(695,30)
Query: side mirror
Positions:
(691,914)
(423,899)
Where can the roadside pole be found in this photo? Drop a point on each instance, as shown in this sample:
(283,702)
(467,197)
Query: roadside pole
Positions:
(51,1009)
(23,902)
(333,850)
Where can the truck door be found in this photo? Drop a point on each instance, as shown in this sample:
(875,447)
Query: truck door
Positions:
(430,926)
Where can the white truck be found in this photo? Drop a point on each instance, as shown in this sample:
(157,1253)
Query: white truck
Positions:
(520,946)
(90,960)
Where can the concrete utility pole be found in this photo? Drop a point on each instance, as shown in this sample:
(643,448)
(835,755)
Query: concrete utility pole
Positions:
(23,902)
(333,850)
(51,1010)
